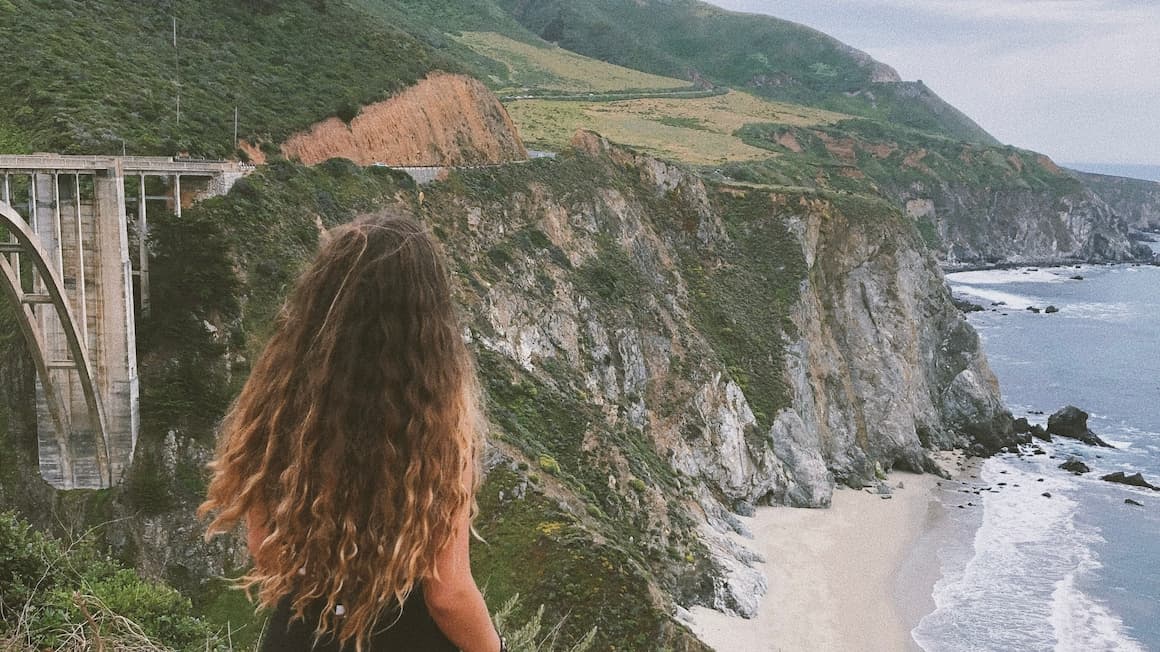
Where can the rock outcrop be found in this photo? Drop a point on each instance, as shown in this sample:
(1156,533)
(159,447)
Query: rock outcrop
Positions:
(981,226)
(1071,422)
(1134,480)
(444,120)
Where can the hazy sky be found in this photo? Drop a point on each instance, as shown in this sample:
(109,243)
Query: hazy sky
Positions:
(1076,79)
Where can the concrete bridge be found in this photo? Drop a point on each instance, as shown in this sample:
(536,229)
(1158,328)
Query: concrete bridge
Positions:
(66,267)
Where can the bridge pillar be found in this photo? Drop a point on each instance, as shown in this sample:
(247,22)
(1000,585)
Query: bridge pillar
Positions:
(114,350)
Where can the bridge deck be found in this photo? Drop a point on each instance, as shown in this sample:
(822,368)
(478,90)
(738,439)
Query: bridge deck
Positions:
(166,165)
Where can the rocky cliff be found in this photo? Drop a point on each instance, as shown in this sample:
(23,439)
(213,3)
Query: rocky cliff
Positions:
(975,204)
(443,120)
(726,347)
(1135,200)
(987,225)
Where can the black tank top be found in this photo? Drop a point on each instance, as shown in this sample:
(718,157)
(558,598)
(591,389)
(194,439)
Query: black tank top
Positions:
(414,631)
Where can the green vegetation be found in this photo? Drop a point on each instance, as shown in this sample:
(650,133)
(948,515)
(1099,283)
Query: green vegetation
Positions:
(698,131)
(548,557)
(545,67)
(776,58)
(95,76)
(71,597)
(743,295)
(838,155)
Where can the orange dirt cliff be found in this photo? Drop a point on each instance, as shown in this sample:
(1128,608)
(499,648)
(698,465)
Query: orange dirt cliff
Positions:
(444,120)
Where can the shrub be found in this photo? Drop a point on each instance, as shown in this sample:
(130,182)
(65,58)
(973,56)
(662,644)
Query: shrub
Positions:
(70,597)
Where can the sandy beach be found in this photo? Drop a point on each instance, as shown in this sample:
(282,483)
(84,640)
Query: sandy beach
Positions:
(856,576)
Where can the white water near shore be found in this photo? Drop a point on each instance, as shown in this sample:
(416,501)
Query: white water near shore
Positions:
(1063,562)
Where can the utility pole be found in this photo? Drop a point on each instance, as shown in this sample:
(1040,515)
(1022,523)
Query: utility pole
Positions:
(177,69)
(235,127)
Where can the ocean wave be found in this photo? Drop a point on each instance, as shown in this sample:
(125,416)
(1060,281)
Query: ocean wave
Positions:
(1082,624)
(1004,276)
(1014,593)
(1099,311)
(1118,443)
(1013,301)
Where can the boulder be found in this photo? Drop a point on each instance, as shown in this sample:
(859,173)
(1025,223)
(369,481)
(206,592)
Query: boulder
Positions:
(1050,309)
(1075,465)
(1039,432)
(966,306)
(1129,501)
(1034,309)
(1022,426)
(1071,422)
(1135,480)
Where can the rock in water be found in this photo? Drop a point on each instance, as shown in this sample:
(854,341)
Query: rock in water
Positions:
(1135,480)
(966,306)
(1075,465)
(1129,501)
(1051,310)
(1071,422)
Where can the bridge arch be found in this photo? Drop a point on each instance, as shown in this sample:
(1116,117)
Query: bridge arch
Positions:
(73,430)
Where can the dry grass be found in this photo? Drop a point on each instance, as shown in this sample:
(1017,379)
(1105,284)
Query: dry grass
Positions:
(549,67)
(697,131)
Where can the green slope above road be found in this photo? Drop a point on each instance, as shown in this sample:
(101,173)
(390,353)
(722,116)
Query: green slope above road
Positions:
(776,58)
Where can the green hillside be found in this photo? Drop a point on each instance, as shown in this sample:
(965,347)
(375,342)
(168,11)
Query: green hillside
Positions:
(775,58)
(92,77)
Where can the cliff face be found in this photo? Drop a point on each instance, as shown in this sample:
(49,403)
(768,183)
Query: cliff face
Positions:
(1136,201)
(975,204)
(983,225)
(443,120)
(743,337)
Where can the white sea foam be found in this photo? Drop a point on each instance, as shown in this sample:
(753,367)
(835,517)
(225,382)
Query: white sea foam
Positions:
(1018,590)
(1004,276)
(1099,311)
(1081,624)
(1013,301)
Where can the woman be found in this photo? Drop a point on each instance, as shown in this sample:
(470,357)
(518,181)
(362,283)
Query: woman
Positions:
(352,455)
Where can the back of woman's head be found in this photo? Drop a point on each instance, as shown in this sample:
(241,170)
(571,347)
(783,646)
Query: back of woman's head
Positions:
(356,431)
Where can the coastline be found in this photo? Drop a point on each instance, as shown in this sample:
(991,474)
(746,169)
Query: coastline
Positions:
(859,573)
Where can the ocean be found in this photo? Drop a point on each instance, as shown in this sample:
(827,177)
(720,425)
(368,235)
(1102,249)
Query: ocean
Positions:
(1057,561)
(1146,172)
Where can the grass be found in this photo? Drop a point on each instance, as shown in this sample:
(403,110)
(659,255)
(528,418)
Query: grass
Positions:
(543,66)
(698,131)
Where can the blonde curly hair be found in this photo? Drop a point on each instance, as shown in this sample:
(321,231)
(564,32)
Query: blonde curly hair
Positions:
(357,435)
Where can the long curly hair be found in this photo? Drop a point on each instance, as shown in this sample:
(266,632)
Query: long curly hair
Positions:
(356,432)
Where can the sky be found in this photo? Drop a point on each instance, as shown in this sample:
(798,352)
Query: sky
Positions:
(1078,80)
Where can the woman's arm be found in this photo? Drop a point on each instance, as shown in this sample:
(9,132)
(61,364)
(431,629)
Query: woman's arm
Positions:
(454,600)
